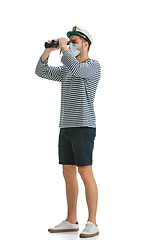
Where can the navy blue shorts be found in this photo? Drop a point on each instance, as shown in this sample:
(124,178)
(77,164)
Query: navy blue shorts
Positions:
(76,145)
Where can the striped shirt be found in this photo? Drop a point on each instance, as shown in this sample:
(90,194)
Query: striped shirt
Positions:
(79,82)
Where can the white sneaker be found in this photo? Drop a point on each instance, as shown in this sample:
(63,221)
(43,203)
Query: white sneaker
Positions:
(90,230)
(64,226)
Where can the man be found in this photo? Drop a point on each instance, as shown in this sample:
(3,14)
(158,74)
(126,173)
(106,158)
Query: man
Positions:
(79,76)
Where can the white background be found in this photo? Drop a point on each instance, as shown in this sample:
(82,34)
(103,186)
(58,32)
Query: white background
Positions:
(127,147)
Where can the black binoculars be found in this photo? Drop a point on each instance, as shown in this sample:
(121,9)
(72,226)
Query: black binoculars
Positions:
(54,44)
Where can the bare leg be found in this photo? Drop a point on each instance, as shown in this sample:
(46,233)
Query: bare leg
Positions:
(70,176)
(91,191)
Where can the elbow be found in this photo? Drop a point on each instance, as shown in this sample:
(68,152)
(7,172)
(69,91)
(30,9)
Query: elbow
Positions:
(37,72)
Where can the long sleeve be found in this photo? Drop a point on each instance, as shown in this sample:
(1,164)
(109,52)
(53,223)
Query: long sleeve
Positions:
(84,70)
(79,82)
(45,71)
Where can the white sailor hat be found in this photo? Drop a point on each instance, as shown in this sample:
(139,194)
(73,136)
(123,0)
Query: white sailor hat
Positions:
(81,32)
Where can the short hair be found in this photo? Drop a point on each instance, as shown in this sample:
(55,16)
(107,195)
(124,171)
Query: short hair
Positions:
(83,40)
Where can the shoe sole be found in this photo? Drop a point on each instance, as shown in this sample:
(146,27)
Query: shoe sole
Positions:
(62,230)
(82,235)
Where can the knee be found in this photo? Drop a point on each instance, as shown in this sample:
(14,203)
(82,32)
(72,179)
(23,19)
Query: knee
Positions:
(85,173)
(69,172)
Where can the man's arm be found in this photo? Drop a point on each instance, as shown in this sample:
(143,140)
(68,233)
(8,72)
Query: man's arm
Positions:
(45,71)
(77,69)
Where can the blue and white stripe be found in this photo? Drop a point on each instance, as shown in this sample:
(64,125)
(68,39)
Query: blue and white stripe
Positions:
(79,82)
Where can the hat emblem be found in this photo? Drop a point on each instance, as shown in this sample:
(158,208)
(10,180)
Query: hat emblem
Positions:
(74,29)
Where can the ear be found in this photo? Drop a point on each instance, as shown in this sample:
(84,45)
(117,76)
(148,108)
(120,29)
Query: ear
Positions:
(86,44)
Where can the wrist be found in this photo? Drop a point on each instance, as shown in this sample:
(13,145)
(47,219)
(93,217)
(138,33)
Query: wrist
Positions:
(45,55)
(64,48)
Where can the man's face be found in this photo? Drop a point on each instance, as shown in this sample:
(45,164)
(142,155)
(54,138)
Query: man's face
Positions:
(76,39)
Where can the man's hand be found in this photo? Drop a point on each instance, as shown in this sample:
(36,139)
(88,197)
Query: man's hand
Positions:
(63,44)
(47,52)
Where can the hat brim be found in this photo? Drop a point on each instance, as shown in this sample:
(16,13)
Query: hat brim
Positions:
(80,35)
(72,33)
